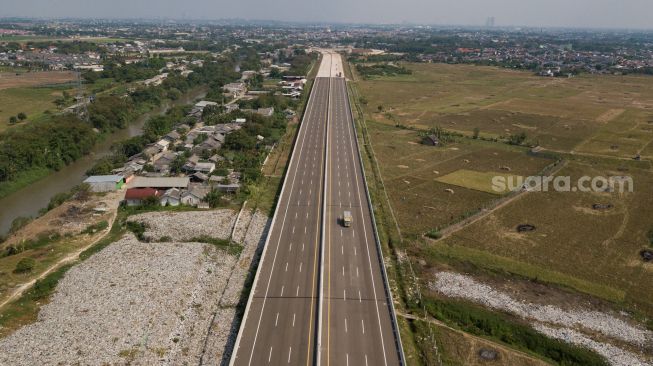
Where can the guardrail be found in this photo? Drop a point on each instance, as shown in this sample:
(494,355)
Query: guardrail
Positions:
(386,285)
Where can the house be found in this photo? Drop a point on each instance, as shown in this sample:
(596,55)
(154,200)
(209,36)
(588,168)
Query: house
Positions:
(171,197)
(431,140)
(162,163)
(105,183)
(136,196)
(228,188)
(199,177)
(161,183)
(163,144)
(194,195)
(237,89)
(172,136)
(265,112)
(207,168)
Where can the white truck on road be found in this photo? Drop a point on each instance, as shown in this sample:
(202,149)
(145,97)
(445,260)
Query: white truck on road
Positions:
(347,219)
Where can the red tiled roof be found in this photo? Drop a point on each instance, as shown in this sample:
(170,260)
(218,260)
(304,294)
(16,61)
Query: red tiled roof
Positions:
(140,193)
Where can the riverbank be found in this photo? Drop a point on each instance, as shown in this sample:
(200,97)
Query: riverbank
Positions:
(26,196)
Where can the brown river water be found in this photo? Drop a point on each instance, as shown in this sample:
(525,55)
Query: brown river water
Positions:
(29,200)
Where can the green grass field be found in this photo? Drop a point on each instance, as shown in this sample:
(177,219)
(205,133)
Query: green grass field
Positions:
(33,101)
(479,181)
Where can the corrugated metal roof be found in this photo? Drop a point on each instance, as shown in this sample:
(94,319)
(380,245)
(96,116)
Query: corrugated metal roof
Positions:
(103,179)
(160,182)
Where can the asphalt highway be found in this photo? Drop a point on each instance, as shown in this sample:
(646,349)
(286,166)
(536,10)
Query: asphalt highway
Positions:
(357,324)
(279,324)
(319,295)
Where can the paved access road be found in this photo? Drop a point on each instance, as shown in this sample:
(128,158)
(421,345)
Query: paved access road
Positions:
(279,324)
(356,319)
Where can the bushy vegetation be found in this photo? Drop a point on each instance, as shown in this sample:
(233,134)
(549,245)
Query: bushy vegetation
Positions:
(434,234)
(138,228)
(50,144)
(25,265)
(225,244)
(481,322)
(650,237)
(384,69)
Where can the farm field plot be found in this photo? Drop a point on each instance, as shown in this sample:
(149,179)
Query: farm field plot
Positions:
(480,181)
(574,244)
(413,175)
(556,113)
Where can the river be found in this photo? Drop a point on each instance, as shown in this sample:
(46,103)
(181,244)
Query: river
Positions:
(29,200)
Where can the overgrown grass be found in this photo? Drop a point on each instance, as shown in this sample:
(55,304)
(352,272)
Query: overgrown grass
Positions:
(478,321)
(225,244)
(40,241)
(94,228)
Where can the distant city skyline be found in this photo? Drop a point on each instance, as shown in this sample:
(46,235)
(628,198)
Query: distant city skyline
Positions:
(625,14)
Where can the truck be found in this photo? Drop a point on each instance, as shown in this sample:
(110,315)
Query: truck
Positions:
(347,219)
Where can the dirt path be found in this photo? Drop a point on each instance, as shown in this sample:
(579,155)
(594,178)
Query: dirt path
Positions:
(17,292)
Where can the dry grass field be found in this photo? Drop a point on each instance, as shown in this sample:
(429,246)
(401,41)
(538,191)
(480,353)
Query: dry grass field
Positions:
(413,174)
(559,114)
(598,123)
(582,244)
(26,79)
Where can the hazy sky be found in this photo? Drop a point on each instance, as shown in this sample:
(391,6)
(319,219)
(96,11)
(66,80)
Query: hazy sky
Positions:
(575,13)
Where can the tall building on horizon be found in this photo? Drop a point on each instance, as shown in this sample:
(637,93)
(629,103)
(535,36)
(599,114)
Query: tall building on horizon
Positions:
(489,22)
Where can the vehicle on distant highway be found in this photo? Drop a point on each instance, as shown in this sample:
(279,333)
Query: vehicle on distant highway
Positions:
(347,219)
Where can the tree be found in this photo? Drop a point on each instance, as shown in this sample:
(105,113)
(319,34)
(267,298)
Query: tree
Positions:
(13,120)
(380,108)
(22,116)
(517,139)
(476,132)
(213,198)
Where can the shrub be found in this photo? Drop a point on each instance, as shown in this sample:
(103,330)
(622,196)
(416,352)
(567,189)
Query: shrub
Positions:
(434,234)
(25,265)
(137,228)
(650,237)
